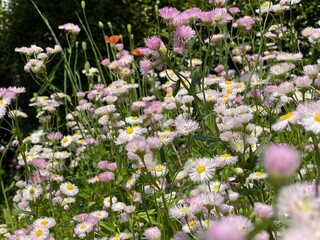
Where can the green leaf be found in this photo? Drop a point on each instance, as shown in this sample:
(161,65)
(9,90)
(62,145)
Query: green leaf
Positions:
(177,88)
(202,137)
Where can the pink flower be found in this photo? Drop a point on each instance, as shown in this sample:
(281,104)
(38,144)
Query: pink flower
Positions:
(154,43)
(106,176)
(229,228)
(183,33)
(168,13)
(281,160)
(246,22)
(262,210)
(152,233)
(145,66)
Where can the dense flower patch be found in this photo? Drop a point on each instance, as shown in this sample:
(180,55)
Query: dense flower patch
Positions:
(209,131)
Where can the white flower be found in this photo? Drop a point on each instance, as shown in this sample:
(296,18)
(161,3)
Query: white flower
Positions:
(129,134)
(185,126)
(69,189)
(46,222)
(32,192)
(201,170)
(66,141)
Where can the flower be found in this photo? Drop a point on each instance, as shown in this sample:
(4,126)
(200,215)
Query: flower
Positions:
(309,115)
(112,39)
(299,201)
(201,170)
(129,134)
(152,233)
(263,210)
(185,126)
(46,222)
(284,120)
(179,211)
(230,228)
(69,189)
(70,27)
(281,160)
(39,233)
(66,141)
(32,192)
(168,13)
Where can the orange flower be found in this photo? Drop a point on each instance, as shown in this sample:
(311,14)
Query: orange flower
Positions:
(112,39)
(136,52)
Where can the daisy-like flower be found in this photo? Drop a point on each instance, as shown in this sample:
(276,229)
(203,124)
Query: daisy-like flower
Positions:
(69,189)
(190,226)
(70,27)
(39,233)
(309,114)
(179,211)
(100,214)
(299,201)
(281,69)
(66,141)
(118,206)
(231,227)
(256,176)
(284,120)
(133,120)
(152,233)
(201,170)
(46,222)
(289,57)
(129,134)
(265,7)
(159,170)
(83,228)
(108,201)
(32,192)
(225,159)
(185,126)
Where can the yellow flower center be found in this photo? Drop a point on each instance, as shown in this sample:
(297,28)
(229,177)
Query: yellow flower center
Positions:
(169,95)
(44,222)
(286,116)
(216,187)
(192,223)
(225,155)
(184,210)
(167,130)
(228,82)
(65,140)
(32,190)
(265,5)
(162,138)
(209,97)
(317,117)
(1,102)
(259,174)
(134,118)
(69,187)
(129,130)
(83,227)
(39,233)
(159,169)
(229,90)
(201,169)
